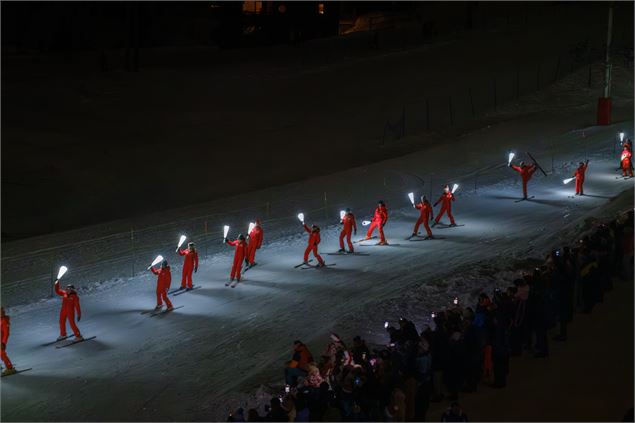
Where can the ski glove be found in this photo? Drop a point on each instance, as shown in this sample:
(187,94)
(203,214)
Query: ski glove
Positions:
(195,269)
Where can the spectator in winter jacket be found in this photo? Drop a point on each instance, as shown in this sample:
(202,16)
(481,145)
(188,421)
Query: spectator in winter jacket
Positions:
(296,367)
(276,413)
(454,413)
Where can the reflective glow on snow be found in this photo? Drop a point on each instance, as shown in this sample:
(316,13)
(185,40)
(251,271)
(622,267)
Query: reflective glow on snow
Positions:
(157,260)
(181,240)
(61,272)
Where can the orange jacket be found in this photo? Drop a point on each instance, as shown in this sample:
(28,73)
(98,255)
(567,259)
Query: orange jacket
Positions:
(5,328)
(626,157)
(446,199)
(255,236)
(579,173)
(525,171)
(314,237)
(349,223)
(70,301)
(301,357)
(241,250)
(381,215)
(164,279)
(191,259)
(425,210)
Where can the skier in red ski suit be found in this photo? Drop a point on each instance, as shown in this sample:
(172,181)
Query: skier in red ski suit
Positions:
(6,322)
(239,255)
(312,245)
(627,169)
(190,263)
(425,214)
(348,226)
(163,284)
(579,178)
(255,242)
(446,199)
(379,220)
(70,305)
(526,172)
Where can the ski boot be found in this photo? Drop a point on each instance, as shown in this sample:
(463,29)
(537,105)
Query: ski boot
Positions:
(159,307)
(61,338)
(9,371)
(79,338)
(452,225)
(351,252)
(383,243)
(341,250)
(170,308)
(434,224)
(320,264)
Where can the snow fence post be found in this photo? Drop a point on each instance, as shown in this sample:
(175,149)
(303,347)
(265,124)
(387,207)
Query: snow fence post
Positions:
(495,102)
(51,265)
(133,249)
(427,114)
(206,239)
(326,212)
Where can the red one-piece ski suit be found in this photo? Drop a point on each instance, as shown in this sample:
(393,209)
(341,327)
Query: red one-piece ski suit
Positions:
(627,170)
(190,263)
(163,284)
(70,305)
(5,338)
(312,246)
(379,220)
(239,255)
(579,178)
(255,241)
(526,173)
(348,226)
(446,206)
(425,213)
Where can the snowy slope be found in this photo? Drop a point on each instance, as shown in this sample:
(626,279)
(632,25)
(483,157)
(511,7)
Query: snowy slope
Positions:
(185,365)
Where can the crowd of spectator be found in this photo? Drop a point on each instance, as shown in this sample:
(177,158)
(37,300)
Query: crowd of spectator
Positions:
(465,347)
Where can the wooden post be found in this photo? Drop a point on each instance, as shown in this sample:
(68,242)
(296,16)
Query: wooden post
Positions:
(133,249)
(206,240)
(495,100)
(326,212)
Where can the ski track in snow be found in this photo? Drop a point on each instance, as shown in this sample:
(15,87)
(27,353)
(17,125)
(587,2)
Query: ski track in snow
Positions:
(193,363)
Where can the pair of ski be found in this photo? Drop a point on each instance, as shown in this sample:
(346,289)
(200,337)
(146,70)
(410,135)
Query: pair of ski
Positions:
(312,266)
(67,344)
(414,238)
(158,311)
(346,253)
(524,199)
(232,284)
(181,290)
(18,372)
